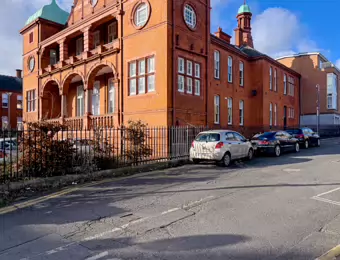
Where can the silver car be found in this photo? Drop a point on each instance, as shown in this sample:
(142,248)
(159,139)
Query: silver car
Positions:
(220,146)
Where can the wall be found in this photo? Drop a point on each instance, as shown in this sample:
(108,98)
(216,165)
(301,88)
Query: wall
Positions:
(14,111)
(150,107)
(325,119)
(311,75)
(190,44)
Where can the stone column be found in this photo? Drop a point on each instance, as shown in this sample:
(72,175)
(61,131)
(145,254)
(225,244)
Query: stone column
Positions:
(63,106)
(63,50)
(88,40)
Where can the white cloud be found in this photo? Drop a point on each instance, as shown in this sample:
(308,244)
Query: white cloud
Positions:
(13,15)
(278,31)
(337,64)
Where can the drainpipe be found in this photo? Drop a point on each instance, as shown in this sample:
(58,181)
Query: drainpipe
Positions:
(39,80)
(207,62)
(173,64)
(121,12)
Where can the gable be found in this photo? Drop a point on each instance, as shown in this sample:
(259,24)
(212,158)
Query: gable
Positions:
(85,8)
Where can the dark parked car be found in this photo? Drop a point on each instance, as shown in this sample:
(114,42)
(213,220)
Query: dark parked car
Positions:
(275,143)
(306,136)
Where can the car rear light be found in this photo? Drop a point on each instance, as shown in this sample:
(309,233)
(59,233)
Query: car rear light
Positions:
(193,144)
(219,145)
(264,142)
(300,136)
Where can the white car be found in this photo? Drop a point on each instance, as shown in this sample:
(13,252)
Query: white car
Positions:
(220,146)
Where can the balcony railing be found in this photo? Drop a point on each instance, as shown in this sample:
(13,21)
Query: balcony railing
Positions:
(104,121)
(75,122)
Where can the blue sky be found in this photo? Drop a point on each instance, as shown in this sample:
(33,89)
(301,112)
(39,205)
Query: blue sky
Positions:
(292,26)
(279,27)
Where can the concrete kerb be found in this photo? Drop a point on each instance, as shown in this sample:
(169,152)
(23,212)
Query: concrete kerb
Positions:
(28,188)
(331,254)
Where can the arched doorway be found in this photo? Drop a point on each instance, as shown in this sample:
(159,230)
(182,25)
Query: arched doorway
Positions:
(103,88)
(73,95)
(51,101)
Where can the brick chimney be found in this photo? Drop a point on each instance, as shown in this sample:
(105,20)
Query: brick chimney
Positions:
(222,35)
(19,73)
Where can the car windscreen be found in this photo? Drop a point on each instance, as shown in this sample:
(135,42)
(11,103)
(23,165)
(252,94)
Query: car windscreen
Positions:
(208,137)
(264,136)
(294,131)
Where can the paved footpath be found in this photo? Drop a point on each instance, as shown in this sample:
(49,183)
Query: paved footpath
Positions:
(270,208)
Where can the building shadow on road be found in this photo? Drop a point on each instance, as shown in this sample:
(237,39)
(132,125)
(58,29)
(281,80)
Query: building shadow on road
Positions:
(212,246)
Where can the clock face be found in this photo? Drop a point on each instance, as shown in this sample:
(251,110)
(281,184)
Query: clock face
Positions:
(31,64)
(94,2)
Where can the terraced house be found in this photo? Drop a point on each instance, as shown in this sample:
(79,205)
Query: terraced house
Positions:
(108,61)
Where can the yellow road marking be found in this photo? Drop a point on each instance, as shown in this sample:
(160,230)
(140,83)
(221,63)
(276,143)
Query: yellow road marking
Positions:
(32,202)
(331,254)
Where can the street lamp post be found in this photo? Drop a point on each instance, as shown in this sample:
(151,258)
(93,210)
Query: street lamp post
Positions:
(317,107)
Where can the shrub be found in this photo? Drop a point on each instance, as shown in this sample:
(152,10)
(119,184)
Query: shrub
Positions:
(136,148)
(42,153)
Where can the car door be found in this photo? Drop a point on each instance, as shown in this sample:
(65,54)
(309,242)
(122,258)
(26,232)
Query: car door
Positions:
(313,137)
(233,146)
(243,144)
(282,139)
(291,141)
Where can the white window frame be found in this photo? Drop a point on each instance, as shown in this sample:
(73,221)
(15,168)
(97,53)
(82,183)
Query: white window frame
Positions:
(96,98)
(197,70)
(80,101)
(5,100)
(181,64)
(275,79)
(181,83)
(216,109)
(285,84)
(4,122)
(197,87)
(270,78)
(217,64)
(270,114)
(230,111)
(241,107)
(53,58)
(31,99)
(241,74)
(230,69)
(19,102)
(189,68)
(111,32)
(190,16)
(275,114)
(79,46)
(141,85)
(19,123)
(141,15)
(111,96)
(96,39)
(189,85)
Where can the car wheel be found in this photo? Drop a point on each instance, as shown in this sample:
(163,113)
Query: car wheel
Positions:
(250,154)
(306,144)
(318,143)
(196,161)
(226,161)
(297,147)
(277,151)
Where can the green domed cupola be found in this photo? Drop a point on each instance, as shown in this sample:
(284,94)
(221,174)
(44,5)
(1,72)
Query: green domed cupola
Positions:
(244,9)
(51,12)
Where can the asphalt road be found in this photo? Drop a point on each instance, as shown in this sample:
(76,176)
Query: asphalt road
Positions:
(269,208)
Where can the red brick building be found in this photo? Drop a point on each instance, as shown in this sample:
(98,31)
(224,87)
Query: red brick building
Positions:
(11,101)
(109,61)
